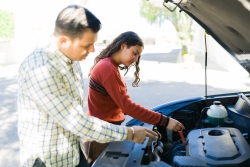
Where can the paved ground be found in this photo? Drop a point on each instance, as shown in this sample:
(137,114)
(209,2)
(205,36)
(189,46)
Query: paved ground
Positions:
(164,77)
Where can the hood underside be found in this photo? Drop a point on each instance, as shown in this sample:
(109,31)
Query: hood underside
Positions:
(227,21)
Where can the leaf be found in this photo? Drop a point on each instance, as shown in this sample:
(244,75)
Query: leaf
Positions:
(156,13)
(7,25)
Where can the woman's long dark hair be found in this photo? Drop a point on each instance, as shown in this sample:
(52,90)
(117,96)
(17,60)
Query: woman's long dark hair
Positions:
(131,39)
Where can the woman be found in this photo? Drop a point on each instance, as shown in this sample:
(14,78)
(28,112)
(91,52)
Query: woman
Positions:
(108,99)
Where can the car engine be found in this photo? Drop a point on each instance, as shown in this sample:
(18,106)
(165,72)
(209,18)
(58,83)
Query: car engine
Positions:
(211,143)
(216,147)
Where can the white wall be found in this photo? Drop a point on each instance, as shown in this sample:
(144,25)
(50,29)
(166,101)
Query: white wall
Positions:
(7,53)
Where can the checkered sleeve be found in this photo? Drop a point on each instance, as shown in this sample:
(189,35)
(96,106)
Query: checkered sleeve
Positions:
(46,88)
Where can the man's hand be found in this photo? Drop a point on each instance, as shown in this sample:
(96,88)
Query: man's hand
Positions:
(175,125)
(140,134)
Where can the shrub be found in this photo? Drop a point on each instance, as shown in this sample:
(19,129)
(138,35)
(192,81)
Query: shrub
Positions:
(7,26)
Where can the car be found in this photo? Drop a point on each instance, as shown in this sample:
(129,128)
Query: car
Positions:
(217,127)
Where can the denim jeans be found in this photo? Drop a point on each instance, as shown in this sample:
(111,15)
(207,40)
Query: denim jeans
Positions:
(83,162)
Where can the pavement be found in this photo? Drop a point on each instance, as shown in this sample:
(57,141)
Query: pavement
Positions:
(164,77)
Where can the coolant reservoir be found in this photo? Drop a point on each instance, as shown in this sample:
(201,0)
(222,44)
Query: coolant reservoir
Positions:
(217,114)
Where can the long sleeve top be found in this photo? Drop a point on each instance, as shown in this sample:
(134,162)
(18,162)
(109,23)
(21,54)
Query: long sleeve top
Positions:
(108,98)
(50,105)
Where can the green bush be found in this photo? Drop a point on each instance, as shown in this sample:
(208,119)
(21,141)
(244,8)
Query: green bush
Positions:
(7,26)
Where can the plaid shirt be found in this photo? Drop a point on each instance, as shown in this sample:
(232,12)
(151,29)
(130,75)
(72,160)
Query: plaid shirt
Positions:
(51,117)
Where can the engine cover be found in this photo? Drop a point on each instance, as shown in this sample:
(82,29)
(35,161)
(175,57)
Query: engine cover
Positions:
(218,147)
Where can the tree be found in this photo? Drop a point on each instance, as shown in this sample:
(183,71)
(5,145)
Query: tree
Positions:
(7,26)
(156,13)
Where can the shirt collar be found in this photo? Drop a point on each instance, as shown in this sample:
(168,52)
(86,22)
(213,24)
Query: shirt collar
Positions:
(113,62)
(59,54)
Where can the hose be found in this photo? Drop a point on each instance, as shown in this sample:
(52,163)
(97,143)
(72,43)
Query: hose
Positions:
(202,115)
(158,149)
(177,149)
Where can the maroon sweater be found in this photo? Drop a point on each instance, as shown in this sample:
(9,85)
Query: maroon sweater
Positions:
(108,99)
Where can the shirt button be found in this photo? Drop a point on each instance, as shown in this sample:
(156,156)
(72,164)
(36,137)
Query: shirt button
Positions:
(69,62)
(71,70)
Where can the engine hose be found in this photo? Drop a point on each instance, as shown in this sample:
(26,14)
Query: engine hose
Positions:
(171,149)
(156,156)
(178,149)
(158,149)
(202,115)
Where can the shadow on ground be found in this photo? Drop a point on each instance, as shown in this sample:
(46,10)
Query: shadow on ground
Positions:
(171,57)
(174,56)
(9,153)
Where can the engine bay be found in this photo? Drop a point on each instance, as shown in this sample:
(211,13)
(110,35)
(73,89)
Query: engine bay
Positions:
(216,135)
(219,141)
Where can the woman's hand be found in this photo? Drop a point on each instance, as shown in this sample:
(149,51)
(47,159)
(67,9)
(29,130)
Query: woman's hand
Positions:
(175,125)
(140,134)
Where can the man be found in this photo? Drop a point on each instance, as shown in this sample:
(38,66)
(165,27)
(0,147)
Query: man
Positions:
(50,97)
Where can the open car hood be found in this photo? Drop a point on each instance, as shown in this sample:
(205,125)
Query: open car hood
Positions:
(227,21)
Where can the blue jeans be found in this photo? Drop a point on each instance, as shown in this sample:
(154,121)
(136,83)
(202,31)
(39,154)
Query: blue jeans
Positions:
(83,161)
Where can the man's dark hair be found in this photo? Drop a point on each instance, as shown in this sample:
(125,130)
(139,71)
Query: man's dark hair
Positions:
(74,20)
